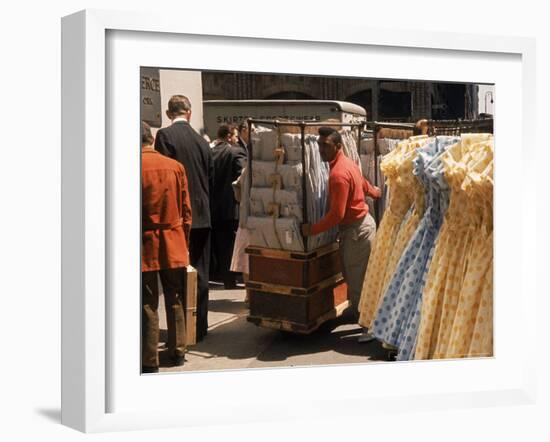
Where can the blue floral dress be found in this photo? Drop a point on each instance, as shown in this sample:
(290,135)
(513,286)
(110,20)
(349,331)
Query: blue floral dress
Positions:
(398,315)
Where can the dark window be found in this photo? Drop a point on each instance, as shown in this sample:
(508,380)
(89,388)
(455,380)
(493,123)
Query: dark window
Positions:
(394,105)
(448,101)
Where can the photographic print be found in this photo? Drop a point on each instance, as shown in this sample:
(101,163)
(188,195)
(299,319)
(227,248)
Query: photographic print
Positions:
(300,220)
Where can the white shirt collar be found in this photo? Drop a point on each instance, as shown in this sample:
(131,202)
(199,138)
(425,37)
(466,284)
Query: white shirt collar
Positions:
(175,120)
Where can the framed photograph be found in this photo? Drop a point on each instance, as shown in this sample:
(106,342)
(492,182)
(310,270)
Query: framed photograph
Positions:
(110,58)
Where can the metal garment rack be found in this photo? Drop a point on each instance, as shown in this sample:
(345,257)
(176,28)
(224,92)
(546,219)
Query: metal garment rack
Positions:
(457,127)
(435,127)
(302,125)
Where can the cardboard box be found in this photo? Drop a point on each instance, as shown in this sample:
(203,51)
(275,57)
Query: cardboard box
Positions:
(191,306)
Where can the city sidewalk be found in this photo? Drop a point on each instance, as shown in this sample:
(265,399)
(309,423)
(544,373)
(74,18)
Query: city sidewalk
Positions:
(234,343)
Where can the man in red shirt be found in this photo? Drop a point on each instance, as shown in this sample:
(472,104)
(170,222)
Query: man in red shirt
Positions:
(166,226)
(347,209)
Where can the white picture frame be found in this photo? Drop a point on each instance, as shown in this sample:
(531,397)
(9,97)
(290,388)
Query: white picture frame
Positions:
(87,212)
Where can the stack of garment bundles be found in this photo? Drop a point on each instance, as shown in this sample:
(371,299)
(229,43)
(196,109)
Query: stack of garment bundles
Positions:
(264,140)
(275,233)
(456,317)
(397,225)
(275,199)
(292,144)
(288,201)
(398,315)
(290,174)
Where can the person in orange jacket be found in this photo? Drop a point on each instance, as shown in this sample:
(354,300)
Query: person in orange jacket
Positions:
(166,225)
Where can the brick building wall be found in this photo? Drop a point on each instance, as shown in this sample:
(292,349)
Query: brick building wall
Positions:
(383,99)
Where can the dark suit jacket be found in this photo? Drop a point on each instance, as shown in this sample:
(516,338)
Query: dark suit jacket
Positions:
(242,144)
(181,142)
(228,164)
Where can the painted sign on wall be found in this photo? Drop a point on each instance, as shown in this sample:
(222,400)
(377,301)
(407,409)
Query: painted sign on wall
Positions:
(150,96)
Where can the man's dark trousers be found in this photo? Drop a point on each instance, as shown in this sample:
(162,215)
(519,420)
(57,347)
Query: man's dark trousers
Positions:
(199,254)
(223,242)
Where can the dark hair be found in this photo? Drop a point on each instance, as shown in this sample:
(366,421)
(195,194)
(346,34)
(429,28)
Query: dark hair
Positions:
(179,104)
(242,125)
(419,127)
(146,135)
(330,133)
(224,130)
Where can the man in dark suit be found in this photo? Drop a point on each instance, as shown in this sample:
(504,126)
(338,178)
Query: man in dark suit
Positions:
(181,142)
(243,135)
(229,160)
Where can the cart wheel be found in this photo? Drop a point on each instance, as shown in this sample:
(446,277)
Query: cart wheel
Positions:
(391,356)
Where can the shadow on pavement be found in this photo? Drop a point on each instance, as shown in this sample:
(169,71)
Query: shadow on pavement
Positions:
(232,337)
(230,306)
(339,336)
(237,339)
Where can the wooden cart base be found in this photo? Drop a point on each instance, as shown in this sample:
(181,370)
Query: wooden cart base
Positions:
(294,327)
(295,291)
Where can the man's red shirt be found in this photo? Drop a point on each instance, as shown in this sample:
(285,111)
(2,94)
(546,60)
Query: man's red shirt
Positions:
(346,191)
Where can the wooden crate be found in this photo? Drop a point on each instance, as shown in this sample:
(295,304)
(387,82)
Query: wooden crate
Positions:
(293,269)
(295,292)
(191,307)
(300,313)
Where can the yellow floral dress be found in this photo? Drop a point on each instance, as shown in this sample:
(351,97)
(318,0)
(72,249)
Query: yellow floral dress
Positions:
(445,276)
(472,330)
(396,167)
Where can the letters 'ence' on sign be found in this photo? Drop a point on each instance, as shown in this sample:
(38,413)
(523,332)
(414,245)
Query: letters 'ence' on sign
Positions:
(150,96)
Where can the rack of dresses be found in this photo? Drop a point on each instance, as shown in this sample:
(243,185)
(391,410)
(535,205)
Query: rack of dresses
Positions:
(456,315)
(405,208)
(436,300)
(381,137)
(397,317)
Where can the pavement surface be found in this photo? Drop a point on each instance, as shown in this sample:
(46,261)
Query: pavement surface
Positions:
(234,343)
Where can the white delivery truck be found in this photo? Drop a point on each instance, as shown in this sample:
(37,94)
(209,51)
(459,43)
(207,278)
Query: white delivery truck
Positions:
(217,112)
